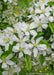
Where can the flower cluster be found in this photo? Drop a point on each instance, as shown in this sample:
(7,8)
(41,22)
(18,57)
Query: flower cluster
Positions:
(33,39)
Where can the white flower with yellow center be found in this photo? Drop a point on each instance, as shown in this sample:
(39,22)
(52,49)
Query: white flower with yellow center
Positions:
(41,9)
(6,61)
(36,46)
(25,28)
(41,22)
(11,70)
(7,37)
(22,48)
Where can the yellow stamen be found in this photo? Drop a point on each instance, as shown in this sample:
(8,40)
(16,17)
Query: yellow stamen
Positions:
(35,45)
(28,28)
(42,1)
(43,11)
(4,60)
(7,40)
(14,31)
(33,12)
(20,40)
(40,24)
(10,70)
(21,49)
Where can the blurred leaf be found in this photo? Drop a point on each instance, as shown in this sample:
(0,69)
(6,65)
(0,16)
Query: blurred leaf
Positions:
(15,74)
(51,25)
(38,35)
(42,59)
(51,3)
(28,62)
(14,59)
(0,73)
(23,72)
(47,33)
(9,51)
(4,25)
(45,42)
(30,36)
(26,2)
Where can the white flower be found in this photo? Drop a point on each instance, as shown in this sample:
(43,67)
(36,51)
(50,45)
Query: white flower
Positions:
(16,48)
(20,54)
(52,45)
(4,65)
(42,47)
(10,1)
(37,46)
(39,29)
(41,22)
(22,47)
(7,37)
(43,2)
(6,61)
(26,51)
(35,51)
(51,19)
(43,10)
(5,0)
(37,10)
(11,70)
(26,28)
(52,55)
(44,26)
(34,33)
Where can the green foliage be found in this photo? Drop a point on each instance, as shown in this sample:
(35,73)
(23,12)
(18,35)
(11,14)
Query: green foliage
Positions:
(38,35)
(51,25)
(26,2)
(15,73)
(30,36)
(0,73)
(28,62)
(14,59)
(9,51)
(47,33)
(23,72)
(4,25)
(42,59)
(45,42)
(51,3)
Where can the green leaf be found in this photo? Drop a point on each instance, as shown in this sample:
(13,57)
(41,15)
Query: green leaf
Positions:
(51,25)
(45,42)
(51,3)
(30,36)
(23,72)
(5,54)
(26,2)
(9,51)
(47,33)
(39,34)
(28,62)
(0,73)
(42,59)
(15,74)
(14,59)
